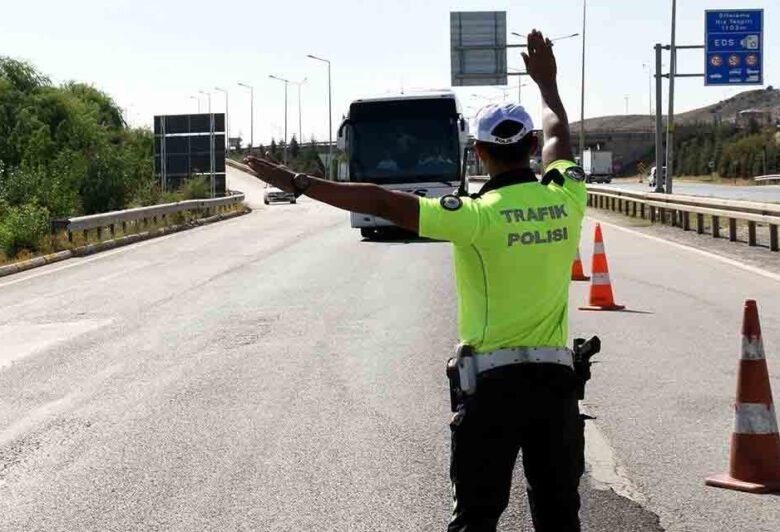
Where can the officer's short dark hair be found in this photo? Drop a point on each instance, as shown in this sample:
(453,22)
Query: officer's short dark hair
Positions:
(517,152)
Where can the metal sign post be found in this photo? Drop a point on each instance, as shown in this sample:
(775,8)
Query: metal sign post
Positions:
(733,56)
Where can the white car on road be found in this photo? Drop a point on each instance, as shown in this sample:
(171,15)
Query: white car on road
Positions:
(272,194)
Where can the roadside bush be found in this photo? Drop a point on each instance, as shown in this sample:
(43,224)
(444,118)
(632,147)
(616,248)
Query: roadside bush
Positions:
(23,228)
(196,188)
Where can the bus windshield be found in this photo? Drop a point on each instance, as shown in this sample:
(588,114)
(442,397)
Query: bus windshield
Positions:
(404,142)
(405,150)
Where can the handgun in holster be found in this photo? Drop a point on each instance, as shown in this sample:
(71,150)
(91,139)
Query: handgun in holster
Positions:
(462,374)
(583,351)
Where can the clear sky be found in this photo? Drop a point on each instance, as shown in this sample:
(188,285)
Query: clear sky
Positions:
(152,56)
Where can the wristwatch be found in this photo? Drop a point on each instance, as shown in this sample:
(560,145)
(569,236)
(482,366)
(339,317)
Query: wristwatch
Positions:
(300,183)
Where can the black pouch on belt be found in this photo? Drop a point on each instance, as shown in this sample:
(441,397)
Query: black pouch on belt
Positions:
(461,374)
(454,377)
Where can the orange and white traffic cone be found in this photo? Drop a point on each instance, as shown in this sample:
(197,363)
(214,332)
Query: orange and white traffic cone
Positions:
(601,297)
(755,443)
(577,273)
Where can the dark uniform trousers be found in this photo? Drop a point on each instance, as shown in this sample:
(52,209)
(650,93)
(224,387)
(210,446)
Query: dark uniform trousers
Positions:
(528,407)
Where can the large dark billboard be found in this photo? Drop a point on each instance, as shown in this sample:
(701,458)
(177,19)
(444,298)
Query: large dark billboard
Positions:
(187,146)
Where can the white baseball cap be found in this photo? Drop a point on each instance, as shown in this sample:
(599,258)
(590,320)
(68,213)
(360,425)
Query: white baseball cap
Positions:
(492,115)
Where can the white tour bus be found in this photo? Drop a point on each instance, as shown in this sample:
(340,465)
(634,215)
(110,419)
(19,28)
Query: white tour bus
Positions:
(411,142)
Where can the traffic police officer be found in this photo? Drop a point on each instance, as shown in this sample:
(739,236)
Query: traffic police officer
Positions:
(514,242)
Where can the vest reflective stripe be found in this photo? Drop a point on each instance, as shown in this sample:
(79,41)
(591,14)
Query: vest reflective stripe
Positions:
(752,348)
(755,418)
(599,278)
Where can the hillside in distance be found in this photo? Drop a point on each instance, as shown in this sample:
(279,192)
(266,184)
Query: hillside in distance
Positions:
(762,99)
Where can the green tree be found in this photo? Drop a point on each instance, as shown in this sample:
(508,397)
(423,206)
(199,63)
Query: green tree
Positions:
(64,150)
(295,148)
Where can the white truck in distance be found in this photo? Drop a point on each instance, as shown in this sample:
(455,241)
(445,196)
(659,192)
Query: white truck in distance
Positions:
(597,166)
(411,142)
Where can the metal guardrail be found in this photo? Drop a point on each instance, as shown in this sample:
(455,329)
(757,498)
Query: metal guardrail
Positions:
(143,214)
(678,209)
(766,178)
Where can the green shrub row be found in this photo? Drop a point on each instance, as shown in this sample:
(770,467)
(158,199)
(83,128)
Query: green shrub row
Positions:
(66,151)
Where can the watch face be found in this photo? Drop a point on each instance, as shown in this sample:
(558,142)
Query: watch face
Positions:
(301,182)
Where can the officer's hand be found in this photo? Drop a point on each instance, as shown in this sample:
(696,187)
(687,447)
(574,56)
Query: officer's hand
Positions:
(276,174)
(540,60)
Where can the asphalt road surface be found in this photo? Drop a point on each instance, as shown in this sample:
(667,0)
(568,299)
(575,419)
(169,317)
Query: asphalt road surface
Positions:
(275,372)
(765,193)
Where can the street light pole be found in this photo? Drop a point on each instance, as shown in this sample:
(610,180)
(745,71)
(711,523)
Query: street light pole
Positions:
(330,117)
(227,120)
(212,162)
(197,100)
(582,84)
(251,114)
(286,83)
(649,87)
(300,128)
(208,97)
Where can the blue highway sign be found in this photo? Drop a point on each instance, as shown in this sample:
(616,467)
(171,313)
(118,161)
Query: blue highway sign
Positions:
(734,42)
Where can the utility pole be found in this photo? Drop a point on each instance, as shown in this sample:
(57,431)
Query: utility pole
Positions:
(670,118)
(251,115)
(286,83)
(582,84)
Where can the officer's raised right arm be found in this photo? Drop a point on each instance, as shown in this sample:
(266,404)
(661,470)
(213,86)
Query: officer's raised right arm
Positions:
(540,64)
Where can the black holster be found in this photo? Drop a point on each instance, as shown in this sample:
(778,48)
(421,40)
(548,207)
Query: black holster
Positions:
(583,351)
(461,372)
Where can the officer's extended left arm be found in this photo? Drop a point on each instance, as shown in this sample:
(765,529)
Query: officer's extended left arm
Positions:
(400,208)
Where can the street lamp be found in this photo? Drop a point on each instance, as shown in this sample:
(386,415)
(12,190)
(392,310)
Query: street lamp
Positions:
(551,40)
(300,129)
(208,96)
(286,82)
(330,117)
(197,100)
(251,114)
(227,119)
(649,87)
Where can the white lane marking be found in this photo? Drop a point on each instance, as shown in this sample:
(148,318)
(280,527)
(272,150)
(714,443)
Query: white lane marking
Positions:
(725,260)
(604,470)
(20,340)
(77,261)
